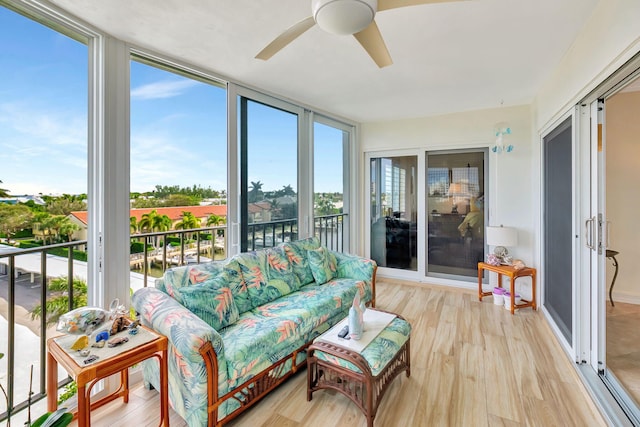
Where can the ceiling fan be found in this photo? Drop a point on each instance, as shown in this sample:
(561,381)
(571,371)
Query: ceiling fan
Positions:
(344,17)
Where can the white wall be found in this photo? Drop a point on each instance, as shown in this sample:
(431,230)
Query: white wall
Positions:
(623,204)
(609,39)
(512,201)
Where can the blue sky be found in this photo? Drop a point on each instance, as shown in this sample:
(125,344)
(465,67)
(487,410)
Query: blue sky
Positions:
(178,125)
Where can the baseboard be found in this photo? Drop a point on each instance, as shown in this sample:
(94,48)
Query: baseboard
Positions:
(626,297)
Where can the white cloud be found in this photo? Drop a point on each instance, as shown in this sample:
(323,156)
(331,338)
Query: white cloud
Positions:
(165,89)
(55,126)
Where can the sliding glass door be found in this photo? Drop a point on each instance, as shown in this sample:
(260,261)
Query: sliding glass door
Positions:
(456,212)
(393,207)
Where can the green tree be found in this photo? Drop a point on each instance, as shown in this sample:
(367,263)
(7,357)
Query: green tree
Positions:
(152,222)
(324,205)
(187,222)
(133,225)
(287,190)
(67,228)
(255,192)
(142,203)
(215,220)
(3,192)
(65,205)
(58,302)
(41,222)
(14,218)
(181,200)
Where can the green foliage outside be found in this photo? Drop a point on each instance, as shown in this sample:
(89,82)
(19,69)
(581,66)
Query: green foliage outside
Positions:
(63,252)
(14,218)
(58,302)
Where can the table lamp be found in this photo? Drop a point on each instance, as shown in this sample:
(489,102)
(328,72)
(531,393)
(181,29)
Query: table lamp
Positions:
(499,238)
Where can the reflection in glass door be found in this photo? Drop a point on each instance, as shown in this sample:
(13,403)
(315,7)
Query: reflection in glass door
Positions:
(394,212)
(456,212)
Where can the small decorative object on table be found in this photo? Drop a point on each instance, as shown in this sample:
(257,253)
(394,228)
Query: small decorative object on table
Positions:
(518,264)
(356,318)
(493,259)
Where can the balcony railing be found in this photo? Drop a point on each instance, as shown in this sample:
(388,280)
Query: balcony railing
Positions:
(162,249)
(328,228)
(9,273)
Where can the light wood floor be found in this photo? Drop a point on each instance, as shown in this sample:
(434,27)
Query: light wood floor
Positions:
(473,364)
(623,345)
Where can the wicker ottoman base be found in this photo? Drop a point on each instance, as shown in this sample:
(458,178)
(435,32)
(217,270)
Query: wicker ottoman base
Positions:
(335,370)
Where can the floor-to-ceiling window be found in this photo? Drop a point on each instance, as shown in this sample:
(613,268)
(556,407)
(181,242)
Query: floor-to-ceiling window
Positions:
(178,163)
(44,92)
(269,174)
(456,212)
(331,143)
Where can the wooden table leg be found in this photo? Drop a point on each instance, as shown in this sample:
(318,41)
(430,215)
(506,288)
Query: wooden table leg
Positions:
(480,270)
(533,290)
(83,409)
(164,388)
(52,383)
(124,382)
(513,295)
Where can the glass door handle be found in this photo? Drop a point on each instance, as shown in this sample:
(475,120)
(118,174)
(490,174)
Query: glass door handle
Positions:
(589,232)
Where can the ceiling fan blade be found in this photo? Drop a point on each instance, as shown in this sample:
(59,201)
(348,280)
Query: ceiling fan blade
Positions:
(394,4)
(285,38)
(371,40)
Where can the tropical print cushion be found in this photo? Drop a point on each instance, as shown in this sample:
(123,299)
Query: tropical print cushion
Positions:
(380,351)
(212,301)
(322,265)
(237,285)
(354,267)
(266,282)
(297,255)
(279,269)
(268,333)
(176,278)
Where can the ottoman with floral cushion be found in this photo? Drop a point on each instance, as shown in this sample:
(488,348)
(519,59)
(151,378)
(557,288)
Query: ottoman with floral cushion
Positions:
(240,327)
(362,371)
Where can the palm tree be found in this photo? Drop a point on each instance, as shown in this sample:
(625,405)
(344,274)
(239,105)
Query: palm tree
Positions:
(133,225)
(287,190)
(3,192)
(215,220)
(58,303)
(152,221)
(187,222)
(255,191)
(68,228)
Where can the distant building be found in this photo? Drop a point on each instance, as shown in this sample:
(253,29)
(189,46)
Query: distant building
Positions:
(203,213)
(14,200)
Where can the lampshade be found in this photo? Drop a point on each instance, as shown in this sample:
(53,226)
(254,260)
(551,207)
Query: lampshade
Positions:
(344,16)
(501,236)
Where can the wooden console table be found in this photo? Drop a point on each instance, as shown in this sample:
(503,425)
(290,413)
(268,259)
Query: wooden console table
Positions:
(513,274)
(130,354)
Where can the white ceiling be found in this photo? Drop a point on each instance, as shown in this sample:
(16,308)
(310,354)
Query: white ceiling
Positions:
(448,57)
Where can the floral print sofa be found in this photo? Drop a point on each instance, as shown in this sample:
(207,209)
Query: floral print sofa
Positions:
(238,328)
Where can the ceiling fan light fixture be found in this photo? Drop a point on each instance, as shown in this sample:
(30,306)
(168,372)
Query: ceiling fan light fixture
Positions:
(344,16)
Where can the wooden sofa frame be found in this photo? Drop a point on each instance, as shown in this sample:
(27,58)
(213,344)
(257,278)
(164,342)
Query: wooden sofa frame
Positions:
(251,391)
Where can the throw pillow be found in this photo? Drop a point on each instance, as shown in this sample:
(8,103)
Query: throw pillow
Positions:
(321,264)
(212,301)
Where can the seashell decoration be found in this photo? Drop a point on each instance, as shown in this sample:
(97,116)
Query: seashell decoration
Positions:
(518,264)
